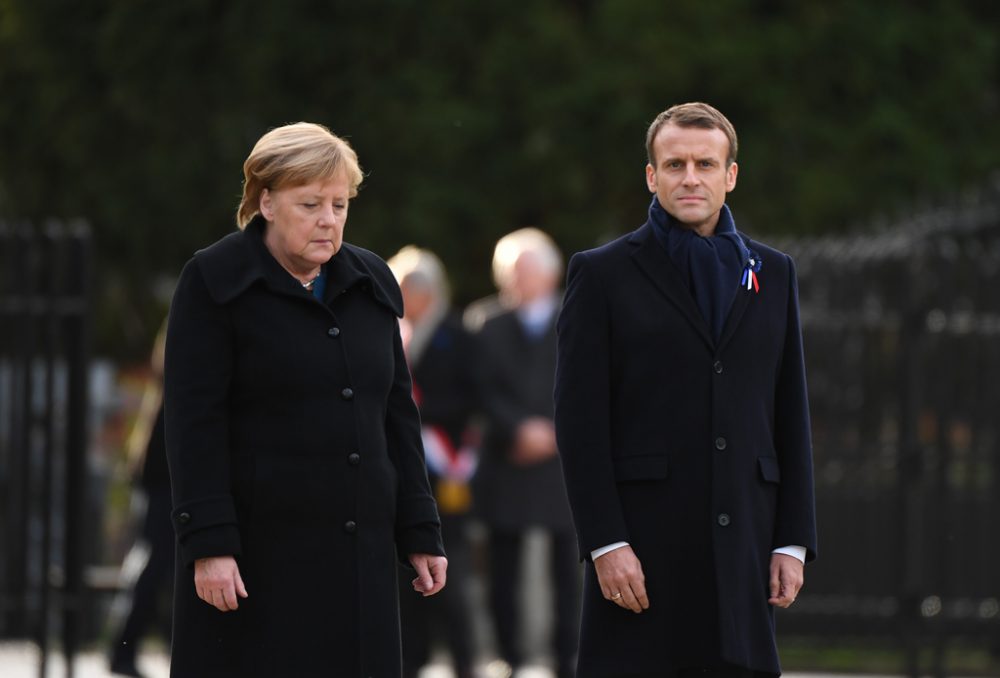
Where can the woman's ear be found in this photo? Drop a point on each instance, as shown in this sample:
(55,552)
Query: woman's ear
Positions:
(266,207)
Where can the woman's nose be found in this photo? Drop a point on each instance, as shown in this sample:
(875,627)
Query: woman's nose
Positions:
(328,217)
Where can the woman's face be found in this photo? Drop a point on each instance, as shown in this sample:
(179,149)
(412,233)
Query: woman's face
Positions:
(305,224)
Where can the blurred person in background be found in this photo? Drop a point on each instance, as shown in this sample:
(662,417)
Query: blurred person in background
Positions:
(480,310)
(294,445)
(148,568)
(439,353)
(520,484)
(683,425)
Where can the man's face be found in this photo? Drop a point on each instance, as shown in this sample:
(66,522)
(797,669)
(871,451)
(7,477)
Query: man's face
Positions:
(691,178)
(532,279)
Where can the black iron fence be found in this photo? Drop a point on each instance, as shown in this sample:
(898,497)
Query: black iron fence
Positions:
(902,334)
(44,274)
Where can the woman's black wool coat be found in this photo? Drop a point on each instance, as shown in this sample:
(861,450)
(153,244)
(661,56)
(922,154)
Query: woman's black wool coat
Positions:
(294,444)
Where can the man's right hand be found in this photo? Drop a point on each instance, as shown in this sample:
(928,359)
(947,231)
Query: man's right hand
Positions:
(622,581)
(218,582)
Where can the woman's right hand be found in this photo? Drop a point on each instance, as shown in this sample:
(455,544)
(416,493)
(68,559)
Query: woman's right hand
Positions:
(217,581)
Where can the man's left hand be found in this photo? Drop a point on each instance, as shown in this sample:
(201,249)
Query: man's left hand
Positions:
(431,573)
(786,579)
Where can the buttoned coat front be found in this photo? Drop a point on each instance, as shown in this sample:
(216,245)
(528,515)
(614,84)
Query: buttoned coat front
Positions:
(294,444)
(696,452)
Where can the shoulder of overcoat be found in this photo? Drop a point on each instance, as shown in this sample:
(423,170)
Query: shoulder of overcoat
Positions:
(228,267)
(384,285)
(232,264)
(769,255)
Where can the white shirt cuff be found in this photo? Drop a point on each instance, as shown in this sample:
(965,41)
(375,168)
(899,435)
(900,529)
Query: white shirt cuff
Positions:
(798,552)
(597,553)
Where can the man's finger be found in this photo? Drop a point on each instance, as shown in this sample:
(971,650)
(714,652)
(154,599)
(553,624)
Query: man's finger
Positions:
(639,589)
(241,589)
(629,601)
(775,583)
(229,598)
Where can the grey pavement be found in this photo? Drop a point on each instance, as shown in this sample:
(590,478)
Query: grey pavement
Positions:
(20,660)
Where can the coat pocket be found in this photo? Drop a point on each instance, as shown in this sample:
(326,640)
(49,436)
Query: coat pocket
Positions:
(641,468)
(770,471)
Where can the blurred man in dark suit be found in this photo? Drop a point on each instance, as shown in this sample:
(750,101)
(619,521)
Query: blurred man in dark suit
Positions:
(520,484)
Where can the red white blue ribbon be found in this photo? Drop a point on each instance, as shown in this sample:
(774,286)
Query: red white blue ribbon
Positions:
(444,459)
(750,280)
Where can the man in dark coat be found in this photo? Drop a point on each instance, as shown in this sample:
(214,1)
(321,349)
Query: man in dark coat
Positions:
(683,426)
(294,444)
(520,484)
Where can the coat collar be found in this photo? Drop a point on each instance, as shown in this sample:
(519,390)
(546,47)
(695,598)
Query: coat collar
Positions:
(236,262)
(654,262)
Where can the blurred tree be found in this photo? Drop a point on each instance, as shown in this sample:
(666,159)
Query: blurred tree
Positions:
(473,119)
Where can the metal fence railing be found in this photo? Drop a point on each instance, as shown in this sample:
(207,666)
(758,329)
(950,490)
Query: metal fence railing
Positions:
(44,275)
(902,338)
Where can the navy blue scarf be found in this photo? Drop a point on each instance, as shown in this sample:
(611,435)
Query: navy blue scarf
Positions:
(711,267)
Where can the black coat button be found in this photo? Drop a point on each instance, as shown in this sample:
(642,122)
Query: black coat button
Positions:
(184,518)
(354,459)
(717,367)
(350,527)
(347,394)
(724,519)
(720,443)
(334,331)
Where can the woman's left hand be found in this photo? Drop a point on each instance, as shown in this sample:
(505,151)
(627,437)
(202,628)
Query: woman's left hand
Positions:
(431,573)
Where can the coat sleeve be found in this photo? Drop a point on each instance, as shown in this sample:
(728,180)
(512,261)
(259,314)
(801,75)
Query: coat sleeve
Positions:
(197,375)
(583,409)
(418,527)
(796,511)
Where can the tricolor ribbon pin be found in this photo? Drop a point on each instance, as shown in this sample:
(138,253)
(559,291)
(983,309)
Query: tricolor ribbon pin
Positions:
(750,275)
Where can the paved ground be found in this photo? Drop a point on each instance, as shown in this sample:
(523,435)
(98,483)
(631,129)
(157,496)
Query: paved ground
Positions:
(20,660)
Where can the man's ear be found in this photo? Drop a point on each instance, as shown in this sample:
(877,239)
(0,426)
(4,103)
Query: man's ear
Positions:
(650,178)
(731,173)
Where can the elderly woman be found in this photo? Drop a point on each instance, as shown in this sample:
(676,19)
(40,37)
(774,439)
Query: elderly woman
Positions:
(294,444)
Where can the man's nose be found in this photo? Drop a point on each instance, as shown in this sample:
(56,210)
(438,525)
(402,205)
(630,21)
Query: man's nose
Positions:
(690,176)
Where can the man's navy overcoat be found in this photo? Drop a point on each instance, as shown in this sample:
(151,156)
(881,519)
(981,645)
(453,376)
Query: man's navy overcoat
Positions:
(294,444)
(697,452)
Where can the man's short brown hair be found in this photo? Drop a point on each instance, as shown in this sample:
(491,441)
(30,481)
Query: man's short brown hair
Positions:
(695,114)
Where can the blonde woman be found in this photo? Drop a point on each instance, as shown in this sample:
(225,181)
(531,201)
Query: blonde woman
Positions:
(294,444)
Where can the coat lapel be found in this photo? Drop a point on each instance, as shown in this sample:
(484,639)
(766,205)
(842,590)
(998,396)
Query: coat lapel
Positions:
(654,262)
(740,303)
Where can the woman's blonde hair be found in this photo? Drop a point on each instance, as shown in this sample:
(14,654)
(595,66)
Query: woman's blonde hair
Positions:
(294,155)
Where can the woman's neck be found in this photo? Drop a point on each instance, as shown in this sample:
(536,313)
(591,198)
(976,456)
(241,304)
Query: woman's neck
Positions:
(305,275)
